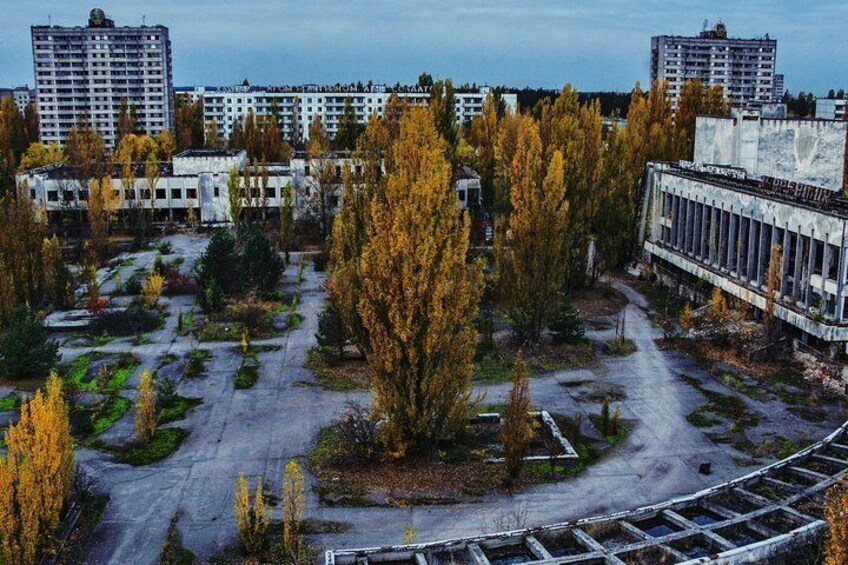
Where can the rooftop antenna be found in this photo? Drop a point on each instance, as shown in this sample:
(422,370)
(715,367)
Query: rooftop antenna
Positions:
(50,19)
(706,25)
(143,20)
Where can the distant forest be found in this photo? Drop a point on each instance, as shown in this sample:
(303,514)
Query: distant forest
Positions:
(612,103)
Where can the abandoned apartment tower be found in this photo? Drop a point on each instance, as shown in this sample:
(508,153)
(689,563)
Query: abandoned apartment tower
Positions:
(759,182)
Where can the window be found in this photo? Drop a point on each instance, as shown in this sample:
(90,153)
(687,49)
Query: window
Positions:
(191,193)
(217,191)
(176,194)
(461,195)
(161,194)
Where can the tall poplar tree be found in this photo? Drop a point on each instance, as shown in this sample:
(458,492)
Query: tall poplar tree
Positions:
(530,254)
(419,294)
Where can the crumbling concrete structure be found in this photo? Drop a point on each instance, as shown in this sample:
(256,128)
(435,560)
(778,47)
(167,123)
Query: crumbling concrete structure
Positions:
(756,184)
(773,512)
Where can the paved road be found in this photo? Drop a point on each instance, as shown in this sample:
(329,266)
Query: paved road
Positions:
(259,430)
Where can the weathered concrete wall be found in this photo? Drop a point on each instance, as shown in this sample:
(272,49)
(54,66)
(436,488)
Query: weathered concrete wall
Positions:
(806,151)
(195,165)
(714,140)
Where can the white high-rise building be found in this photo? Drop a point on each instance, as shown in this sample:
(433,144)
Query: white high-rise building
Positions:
(744,67)
(88,70)
(298,106)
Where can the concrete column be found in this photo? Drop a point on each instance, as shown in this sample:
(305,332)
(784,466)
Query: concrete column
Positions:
(761,256)
(687,233)
(703,235)
(811,263)
(840,284)
(784,266)
(740,244)
(696,228)
(731,242)
(675,220)
(796,274)
(750,272)
(720,239)
(713,233)
(825,269)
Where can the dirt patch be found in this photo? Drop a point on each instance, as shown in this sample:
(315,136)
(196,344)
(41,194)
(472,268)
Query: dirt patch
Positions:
(457,472)
(594,391)
(599,300)
(345,375)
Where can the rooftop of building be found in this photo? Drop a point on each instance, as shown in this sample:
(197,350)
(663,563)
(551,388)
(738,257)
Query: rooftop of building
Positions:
(207,153)
(717,32)
(733,178)
(338,88)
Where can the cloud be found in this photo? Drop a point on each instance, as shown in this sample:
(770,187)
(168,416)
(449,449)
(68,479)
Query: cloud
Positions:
(599,44)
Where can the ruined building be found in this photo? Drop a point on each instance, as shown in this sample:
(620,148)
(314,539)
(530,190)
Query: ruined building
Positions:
(757,183)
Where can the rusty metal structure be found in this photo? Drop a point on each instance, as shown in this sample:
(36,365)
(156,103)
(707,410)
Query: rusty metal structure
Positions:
(769,514)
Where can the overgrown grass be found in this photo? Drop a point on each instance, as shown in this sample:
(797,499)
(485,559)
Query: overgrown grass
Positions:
(246,377)
(221,331)
(493,367)
(165,442)
(196,362)
(9,403)
(621,347)
(176,409)
(113,410)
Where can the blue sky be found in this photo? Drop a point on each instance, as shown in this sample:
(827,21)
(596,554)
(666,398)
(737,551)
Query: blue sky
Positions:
(595,45)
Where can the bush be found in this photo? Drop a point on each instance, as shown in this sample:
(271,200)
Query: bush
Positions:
(261,267)
(359,431)
(152,289)
(165,441)
(132,286)
(132,321)
(178,283)
(566,325)
(217,262)
(25,351)
(320,261)
(331,333)
(212,297)
(249,314)
(165,248)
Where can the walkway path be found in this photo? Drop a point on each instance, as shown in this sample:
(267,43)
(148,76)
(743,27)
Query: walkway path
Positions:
(261,429)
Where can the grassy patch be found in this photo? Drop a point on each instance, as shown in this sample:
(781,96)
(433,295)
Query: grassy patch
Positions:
(78,369)
(781,448)
(493,368)
(165,442)
(196,362)
(9,403)
(221,331)
(176,408)
(246,376)
(620,347)
(110,411)
(293,321)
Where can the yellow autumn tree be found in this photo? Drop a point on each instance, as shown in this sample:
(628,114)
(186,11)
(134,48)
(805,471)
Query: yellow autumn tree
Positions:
(517,428)
(35,475)
(103,203)
(293,500)
(835,508)
(252,517)
(530,250)
(687,319)
(145,409)
(773,279)
(419,294)
(151,290)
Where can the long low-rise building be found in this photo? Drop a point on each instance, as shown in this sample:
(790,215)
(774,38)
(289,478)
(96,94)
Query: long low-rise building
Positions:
(758,186)
(296,107)
(198,180)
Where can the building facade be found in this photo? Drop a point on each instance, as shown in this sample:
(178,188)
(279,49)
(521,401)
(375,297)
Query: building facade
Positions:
(758,186)
(831,109)
(744,67)
(88,71)
(297,107)
(198,179)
